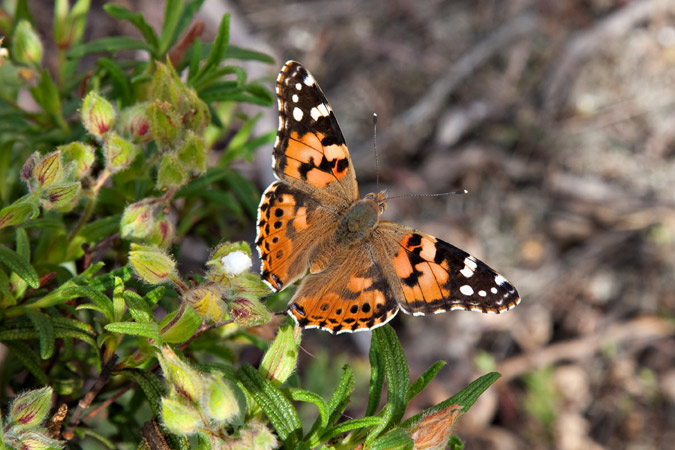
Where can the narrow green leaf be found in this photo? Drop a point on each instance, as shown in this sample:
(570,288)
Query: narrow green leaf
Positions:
(108,44)
(138,308)
(118,300)
(340,399)
(63,333)
(99,298)
(217,48)
(101,228)
(245,54)
(147,329)
(302,395)
(277,407)
(396,439)
(45,332)
(172,13)
(22,243)
(348,425)
(24,353)
(152,387)
(424,379)
(466,398)
(376,379)
(155,295)
(46,94)
(19,265)
(136,19)
(396,370)
(118,76)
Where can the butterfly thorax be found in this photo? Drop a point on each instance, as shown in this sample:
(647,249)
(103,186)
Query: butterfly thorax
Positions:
(360,219)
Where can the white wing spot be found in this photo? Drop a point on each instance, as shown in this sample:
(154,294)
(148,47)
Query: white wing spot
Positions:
(470,262)
(298,86)
(466,271)
(482,293)
(466,290)
(297,114)
(277,142)
(295,98)
(309,80)
(281,123)
(439,311)
(493,290)
(500,280)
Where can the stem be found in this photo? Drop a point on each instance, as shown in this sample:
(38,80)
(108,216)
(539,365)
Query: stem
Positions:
(93,195)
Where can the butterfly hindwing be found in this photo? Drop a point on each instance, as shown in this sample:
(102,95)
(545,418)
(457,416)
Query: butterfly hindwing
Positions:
(310,151)
(432,276)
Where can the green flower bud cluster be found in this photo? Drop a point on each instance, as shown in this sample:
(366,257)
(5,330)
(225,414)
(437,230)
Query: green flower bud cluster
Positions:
(24,426)
(177,119)
(198,402)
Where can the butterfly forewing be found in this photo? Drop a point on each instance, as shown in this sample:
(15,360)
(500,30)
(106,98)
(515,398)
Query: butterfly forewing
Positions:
(310,151)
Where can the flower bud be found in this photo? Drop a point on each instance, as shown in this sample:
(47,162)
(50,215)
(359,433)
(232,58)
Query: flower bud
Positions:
(30,409)
(152,264)
(180,418)
(98,114)
(81,154)
(49,170)
(280,359)
(119,153)
(433,431)
(134,123)
(248,311)
(29,166)
(256,435)
(26,45)
(17,213)
(34,440)
(219,400)
(165,85)
(207,302)
(180,376)
(192,153)
(164,123)
(171,172)
(228,259)
(196,116)
(163,232)
(138,220)
(63,197)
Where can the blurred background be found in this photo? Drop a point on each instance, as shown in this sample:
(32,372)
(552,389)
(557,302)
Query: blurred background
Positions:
(559,119)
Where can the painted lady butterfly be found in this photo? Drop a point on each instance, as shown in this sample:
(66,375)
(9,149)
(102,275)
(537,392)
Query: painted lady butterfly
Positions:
(362,270)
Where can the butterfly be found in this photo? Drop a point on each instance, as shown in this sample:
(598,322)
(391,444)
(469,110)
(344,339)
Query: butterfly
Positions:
(357,271)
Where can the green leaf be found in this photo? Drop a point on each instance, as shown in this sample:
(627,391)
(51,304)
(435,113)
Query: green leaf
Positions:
(45,332)
(376,379)
(177,331)
(108,44)
(155,295)
(46,94)
(147,329)
(136,19)
(24,353)
(172,13)
(424,379)
(396,373)
(396,439)
(100,299)
(152,387)
(138,307)
(19,265)
(466,398)
(245,54)
(217,49)
(302,395)
(118,300)
(101,228)
(22,243)
(340,399)
(348,425)
(277,407)
(118,76)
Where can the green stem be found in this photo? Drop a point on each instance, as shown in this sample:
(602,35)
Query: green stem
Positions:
(93,195)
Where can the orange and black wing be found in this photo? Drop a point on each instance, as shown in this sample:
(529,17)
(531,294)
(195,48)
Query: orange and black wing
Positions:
(430,276)
(310,152)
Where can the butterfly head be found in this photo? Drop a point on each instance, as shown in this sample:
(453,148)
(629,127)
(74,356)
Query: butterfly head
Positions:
(380,198)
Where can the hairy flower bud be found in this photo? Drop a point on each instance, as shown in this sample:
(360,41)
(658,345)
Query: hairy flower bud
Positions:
(119,153)
(98,114)
(30,409)
(26,44)
(152,264)
(180,376)
(81,154)
(134,123)
(49,170)
(179,417)
(63,197)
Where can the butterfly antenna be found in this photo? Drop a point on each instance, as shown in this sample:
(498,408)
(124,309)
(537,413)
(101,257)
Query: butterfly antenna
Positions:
(457,192)
(377,165)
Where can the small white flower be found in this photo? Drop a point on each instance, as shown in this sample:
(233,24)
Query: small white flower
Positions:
(236,262)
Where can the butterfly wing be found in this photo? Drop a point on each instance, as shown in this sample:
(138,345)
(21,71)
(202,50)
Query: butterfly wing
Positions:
(310,153)
(291,223)
(350,294)
(430,276)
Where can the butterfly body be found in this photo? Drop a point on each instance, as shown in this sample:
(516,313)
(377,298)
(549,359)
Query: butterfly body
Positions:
(357,271)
